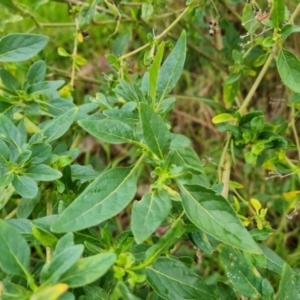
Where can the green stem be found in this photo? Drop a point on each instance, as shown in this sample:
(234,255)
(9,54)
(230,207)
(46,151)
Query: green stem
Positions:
(76,141)
(11,214)
(292,123)
(258,80)
(26,13)
(74,54)
(165,32)
(49,250)
(149,261)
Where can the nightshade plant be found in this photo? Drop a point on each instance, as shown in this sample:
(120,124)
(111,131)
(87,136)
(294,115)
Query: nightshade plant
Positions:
(59,240)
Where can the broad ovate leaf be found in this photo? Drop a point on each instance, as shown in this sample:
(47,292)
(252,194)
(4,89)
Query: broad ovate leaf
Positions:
(213,214)
(288,66)
(171,279)
(21,46)
(111,192)
(148,213)
(15,253)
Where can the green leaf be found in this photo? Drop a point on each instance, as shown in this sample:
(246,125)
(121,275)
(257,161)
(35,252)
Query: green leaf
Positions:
(277,16)
(51,292)
(243,275)
(214,215)
(147,11)
(287,287)
(223,118)
(155,132)
(8,80)
(124,114)
(288,29)
(274,262)
(234,77)
(230,91)
(37,72)
(44,87)
(86,14)
(121,43)
(171,279)
(83,173)
(15,253)
(109,130)
(9,4)
(40,152)
(42,173)
(44,237)
(129,92)
(26,206)
(9,131)
(225,291)
(164,243)
(261,60)
(25,186)
(185,157)
(295,98)
(104,198)
(19,46)
(14,291)
(154,71)
(6,179)
(5,195)
(64,242)
(88,269)
(59,125)
(202,241)
(171,69)
(62,52)
(148,213)
(4,153)
(51,272)
(288,66)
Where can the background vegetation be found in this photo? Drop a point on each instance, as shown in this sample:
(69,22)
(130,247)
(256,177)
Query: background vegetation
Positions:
(237,101)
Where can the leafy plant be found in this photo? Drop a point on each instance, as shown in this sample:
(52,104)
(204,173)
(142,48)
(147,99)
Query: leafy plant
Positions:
(72,230)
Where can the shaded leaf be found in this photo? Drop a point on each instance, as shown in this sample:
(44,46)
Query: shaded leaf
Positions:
(214,215)
(173,280)
(242,274)
(15,252)
(19,46)
(88,269)
(25,186)
(148,213)
(288,66)
(155,133)
(59,125)
(171,69)
(36,72)
(101,200)
(287,287)
(109,130)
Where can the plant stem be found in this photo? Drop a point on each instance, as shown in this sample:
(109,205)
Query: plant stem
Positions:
(292,123)
(82,78)
(157,37)
(74,54)
(258,80)
(49,250)
(76,141)
(11,214)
